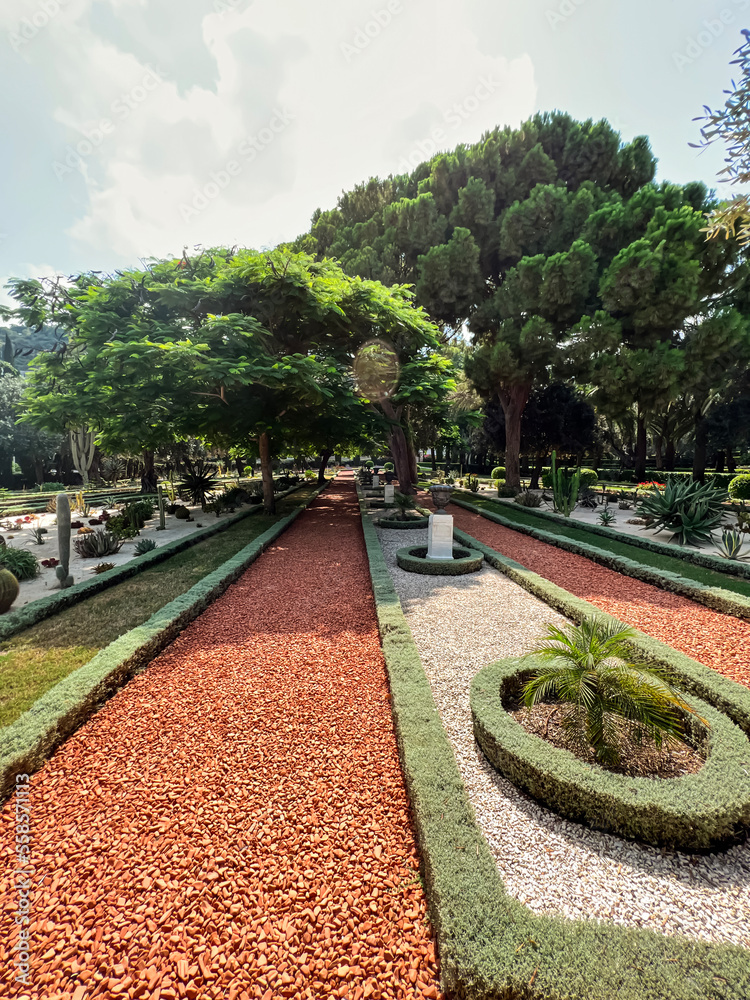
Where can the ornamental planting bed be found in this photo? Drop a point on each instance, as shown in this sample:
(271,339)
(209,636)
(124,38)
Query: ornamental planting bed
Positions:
(719,641)
(234,822)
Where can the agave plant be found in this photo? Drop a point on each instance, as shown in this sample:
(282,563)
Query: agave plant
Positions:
(528,499)
(607,517)
(587,667)
(95,544)
(199,482)
(143,546)
(732,545)
(690,510)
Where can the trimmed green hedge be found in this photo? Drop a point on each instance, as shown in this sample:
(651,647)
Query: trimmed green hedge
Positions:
(739,487)
(588,480)
(411,523)
(730,567)
(712,597)
(724,694)
(31,739)
(45,607)
(490,946)
(413,559)
(698,812)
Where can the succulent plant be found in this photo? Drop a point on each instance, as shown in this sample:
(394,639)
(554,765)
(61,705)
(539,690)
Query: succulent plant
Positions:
(732,545)
(182,513)
(607,517)
(8,590)
(102,567)
(145,545)
(528,499)
(63,540)
(96,544)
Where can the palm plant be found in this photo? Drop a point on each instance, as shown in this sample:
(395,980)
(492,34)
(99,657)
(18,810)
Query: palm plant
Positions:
(587,668)
(690,510)
(405,503)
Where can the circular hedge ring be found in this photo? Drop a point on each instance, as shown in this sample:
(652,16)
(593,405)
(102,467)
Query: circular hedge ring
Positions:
(411,522)
(695,813)
(414,559)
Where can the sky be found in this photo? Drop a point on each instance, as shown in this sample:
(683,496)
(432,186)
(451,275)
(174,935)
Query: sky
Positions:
(134,128)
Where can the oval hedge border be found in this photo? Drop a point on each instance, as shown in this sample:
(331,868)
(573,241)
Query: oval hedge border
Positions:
(413,559)
(411,522)
(706,811)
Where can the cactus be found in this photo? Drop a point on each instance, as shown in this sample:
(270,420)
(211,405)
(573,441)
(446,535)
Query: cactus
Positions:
(63,540)
(162,511)
(565,486)
(8,590)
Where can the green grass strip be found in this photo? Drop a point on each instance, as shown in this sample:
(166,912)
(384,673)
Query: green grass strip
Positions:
(27,742)
(490,946)
(702,567)
(704,586)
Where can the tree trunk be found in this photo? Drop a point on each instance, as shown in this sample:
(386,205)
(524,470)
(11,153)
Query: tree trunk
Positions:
(669,456)
(658,442)
(641,446)
(239,465)
(264,447)
(322,467)
(399,447)
(699,455)
(731,464)
(411,453)
(149,479)
(513,402)
(719,467)
(434,458)
(536,472)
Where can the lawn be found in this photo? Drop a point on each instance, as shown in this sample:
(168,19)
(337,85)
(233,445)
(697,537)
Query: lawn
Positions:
(33,661)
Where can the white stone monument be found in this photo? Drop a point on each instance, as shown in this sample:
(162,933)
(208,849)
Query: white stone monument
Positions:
(388,493)
(440,536)
(375,480)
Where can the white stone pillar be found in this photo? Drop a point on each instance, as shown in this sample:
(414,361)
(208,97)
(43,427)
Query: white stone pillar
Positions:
(440,536)
(375,480)
(388,493)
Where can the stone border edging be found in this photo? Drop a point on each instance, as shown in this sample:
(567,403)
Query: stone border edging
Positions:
(45,607)
(414,523)
(26,743)
(490,946)
(727,566)
(705,811)
(724,601)
(727,695)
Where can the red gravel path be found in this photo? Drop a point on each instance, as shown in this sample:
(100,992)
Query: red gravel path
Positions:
(234,822)
(719,641)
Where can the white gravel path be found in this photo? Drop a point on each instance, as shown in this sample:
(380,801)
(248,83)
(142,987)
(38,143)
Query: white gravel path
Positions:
(553,866)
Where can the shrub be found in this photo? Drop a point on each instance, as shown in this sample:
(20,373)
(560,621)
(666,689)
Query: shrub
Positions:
(52,488)
(689,509)
(389,467)
(405,503)
(97,544)
(145,545)
(506,491)
(121,527)
(739,487)
(498,473)
(587,668)
(22,564)
(589,478)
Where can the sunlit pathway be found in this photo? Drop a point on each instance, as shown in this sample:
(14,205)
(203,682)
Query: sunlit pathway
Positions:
(719,641)
(234,822)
